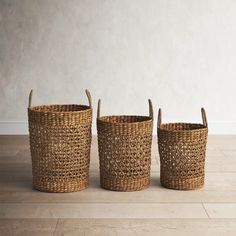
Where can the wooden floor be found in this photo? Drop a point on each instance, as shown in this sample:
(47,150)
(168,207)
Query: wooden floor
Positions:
(95,211)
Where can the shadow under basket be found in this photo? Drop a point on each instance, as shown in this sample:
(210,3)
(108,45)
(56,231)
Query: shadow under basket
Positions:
(182,148)
(60,140)
(124,144)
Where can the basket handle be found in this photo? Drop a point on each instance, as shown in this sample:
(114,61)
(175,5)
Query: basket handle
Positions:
(204,118)
(89,98)
(87,93)
(150,108)
(30,98)
(98,109)
(159,118)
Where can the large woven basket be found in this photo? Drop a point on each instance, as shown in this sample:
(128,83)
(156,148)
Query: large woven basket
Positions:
(60,140)
(124,144)
(182,148)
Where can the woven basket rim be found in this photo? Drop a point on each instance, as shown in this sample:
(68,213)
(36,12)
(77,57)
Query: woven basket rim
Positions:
(147,119)
(34,108)
(201,127)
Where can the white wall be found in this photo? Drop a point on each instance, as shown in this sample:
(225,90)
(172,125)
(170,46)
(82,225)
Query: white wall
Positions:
(180,53)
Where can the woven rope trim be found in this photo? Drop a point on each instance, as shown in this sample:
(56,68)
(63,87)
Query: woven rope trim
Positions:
(125,125)
(53,115)
(124,185)
(182,184)
(60,187)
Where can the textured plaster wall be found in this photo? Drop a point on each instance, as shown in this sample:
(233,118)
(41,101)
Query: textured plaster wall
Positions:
(180,53)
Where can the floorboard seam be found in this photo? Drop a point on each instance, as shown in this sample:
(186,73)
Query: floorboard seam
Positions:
(206,211)
(54,232)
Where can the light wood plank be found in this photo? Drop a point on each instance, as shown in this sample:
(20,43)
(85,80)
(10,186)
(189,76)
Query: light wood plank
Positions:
(28,227)
(119,210)
(219,187)
(150,227)
(221,210)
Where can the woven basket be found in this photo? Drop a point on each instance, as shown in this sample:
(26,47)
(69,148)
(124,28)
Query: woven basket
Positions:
(124,144)
(60,140)
(182,148)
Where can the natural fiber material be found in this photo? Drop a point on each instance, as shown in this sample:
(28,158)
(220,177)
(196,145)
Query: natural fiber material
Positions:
(60,140)
(182,148)
(125,151)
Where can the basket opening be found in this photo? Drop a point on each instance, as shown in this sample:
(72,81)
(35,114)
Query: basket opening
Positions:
(181,126)
(60,108)
(125,119)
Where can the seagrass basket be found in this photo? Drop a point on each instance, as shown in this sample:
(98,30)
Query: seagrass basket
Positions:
(182,148)
(60,140)
(124,144)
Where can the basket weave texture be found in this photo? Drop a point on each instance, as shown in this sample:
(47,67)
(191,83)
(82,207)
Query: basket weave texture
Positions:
(60,140)
(182,148)
(124,144)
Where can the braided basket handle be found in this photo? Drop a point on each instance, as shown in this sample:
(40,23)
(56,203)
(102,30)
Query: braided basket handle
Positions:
(204,118)
(159,118)
(150,108)
(89,98)
(30,98)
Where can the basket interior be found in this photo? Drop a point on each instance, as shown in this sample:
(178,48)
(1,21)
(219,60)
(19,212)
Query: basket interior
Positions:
(181,126)
(60,108)
(125,119)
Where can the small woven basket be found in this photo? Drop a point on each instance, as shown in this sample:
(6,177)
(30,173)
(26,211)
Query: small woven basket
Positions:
(60,140)
(182,148)
(124,144)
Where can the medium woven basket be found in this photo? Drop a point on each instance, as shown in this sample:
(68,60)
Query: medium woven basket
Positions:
(182,148)
(60,140)
(124,144)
